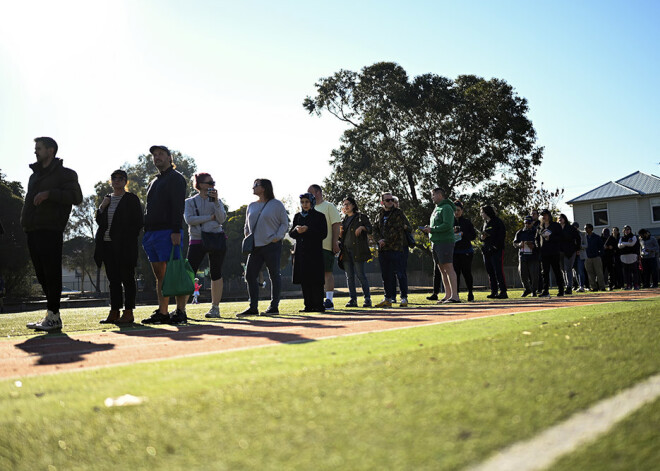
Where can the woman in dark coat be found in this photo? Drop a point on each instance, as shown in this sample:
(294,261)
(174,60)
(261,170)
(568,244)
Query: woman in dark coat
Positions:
(120,219)
(308,230)
(354,237)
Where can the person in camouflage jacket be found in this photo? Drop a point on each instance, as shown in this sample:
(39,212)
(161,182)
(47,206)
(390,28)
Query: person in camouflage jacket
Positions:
(389,232)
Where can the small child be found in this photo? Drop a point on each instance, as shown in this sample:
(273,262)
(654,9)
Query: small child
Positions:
(196,292)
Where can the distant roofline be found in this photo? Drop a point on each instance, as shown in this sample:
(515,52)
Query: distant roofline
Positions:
(634,193)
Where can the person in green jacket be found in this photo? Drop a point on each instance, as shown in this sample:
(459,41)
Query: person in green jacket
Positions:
(441,232)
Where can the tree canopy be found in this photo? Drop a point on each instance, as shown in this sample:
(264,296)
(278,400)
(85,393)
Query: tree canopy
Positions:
(469,135)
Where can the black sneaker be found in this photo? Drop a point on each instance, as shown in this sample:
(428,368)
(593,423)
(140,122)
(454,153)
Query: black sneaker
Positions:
(270,311)
(525,293)
(352,303)
(492,296)
(470,297)
(502,295)
(179,317)
(433,297)
(367,303)
(248,312)
(544,294)
(560,293)
(157,318)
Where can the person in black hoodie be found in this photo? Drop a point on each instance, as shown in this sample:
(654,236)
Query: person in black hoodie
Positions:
(463,251)
(309,228)
(526,241)
(569,246)
(51,191)
(120,219)
(493,235)
(550,239)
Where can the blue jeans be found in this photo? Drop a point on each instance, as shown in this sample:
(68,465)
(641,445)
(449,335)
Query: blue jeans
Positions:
(270,255)
(567,270)
(353,268)
(582,278)
(390,264)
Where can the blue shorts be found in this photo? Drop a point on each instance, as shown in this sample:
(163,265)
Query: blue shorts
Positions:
(158,245)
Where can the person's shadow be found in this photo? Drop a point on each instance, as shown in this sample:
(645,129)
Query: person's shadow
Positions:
(53,350)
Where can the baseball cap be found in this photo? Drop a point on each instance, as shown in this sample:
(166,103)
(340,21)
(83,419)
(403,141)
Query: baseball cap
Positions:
(529,219)
(151,149)
(546,211)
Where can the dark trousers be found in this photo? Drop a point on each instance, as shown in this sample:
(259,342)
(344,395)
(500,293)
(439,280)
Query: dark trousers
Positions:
(631,274)
(313,295)
(463,266)
(119,274)
(608,270)
(46,252)
(390,263)
(402,274)
(437,279)
(650,272)
(270,255)
(551,261)
(494,267)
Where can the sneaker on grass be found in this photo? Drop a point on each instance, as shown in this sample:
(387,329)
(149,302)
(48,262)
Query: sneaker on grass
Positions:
(157,318)
(328,305)
(404,302)
(178,317)
(384,303)
(49,323)
(214,312)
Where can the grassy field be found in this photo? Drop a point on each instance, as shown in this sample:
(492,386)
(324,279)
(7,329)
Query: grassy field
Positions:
(435,397)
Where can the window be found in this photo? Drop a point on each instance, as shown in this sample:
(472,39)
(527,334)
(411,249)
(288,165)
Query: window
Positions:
(600,214)
(655,209)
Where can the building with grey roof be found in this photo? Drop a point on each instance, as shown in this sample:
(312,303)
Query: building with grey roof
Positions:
(632,200)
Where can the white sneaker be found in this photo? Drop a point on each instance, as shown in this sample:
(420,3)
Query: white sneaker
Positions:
(404,302)
(49,323)
(33,325)
(214,312)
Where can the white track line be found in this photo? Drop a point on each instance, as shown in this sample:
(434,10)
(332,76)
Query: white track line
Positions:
(541,451)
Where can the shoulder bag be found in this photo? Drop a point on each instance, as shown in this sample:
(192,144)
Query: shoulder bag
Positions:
(212,241)
(247,246)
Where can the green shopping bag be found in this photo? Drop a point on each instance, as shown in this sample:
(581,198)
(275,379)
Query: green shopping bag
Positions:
(179,276)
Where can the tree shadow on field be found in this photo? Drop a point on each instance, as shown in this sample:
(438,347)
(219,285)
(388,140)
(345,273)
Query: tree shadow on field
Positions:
(55,349)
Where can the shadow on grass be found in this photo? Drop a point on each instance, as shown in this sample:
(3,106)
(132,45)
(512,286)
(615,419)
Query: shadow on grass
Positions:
(60,348)
(194,332)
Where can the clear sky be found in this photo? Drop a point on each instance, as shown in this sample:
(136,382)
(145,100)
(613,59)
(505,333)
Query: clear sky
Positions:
(224,81)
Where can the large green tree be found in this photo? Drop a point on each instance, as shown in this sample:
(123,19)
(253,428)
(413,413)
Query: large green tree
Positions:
(469,135)
(15,266)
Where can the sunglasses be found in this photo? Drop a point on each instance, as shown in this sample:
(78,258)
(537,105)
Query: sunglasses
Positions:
(388,200)
(211,182)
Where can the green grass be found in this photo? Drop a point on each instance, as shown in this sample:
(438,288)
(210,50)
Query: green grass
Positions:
(87,319)
(435,397)
(634,444)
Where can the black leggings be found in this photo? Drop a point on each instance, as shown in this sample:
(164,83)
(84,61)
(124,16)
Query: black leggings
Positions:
(552,260)
(463,265)
(196,254)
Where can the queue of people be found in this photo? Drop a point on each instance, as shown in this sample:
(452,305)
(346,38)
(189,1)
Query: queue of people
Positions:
(321,236)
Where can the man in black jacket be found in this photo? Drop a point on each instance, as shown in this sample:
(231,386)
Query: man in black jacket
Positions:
(52,190)
(163,218)
(550,238)
(493,235)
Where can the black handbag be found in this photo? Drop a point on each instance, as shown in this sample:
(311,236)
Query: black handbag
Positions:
(212,241)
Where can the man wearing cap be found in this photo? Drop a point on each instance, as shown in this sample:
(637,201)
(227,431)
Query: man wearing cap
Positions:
(163,218)
(51,191)
(526,241)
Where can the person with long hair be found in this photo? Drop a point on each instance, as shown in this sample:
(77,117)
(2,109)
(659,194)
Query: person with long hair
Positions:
(649,253)
(569,246)
(205,213)
(119,219)
(464,234)
(309,228)
(550,238)
(267,221)
(355,252)
(493,235)
(629,255)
